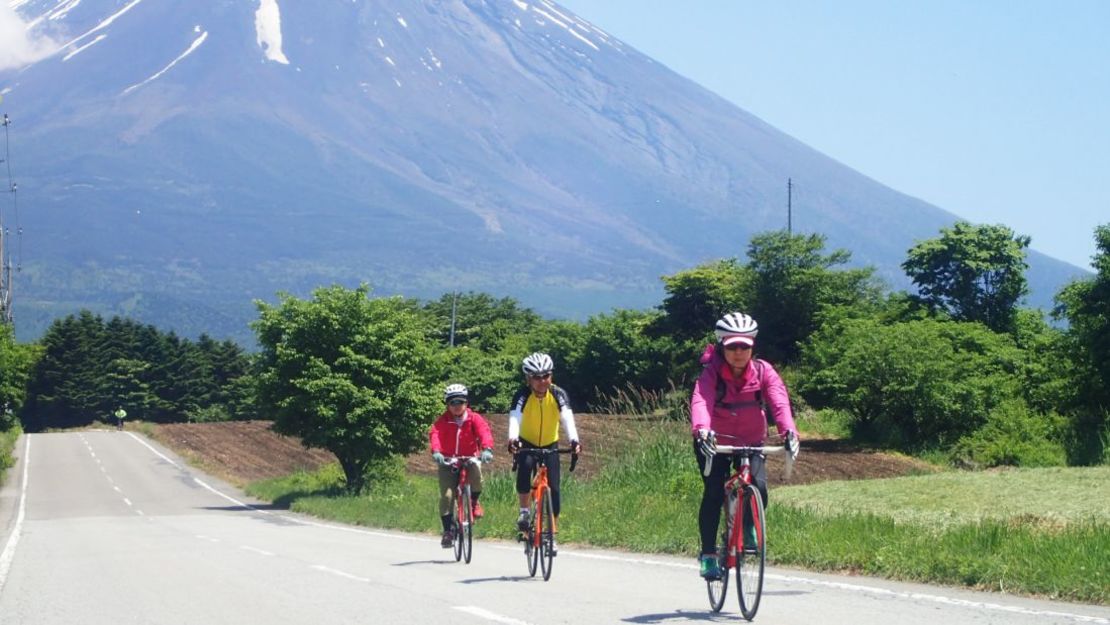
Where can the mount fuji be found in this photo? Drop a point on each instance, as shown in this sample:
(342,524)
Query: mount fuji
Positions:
(177,159)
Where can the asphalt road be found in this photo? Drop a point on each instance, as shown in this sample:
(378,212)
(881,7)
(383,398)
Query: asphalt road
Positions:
(110,528)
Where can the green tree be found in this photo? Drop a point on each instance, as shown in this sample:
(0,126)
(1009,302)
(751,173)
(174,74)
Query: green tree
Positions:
(795,284)
(347,373)
(16,362)
(1086,306)
(617,351)
(696,299)
(125,379)
(971,273)
(479,317)
(914,385)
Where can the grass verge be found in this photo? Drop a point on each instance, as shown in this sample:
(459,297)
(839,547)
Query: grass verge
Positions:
(7,445)
(989,530)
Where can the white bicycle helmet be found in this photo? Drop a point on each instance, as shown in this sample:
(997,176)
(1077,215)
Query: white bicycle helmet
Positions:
(455,391)
(537,363)
(736,328)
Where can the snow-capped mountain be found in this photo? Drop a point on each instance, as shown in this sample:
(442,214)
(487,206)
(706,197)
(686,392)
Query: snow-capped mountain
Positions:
(178,158)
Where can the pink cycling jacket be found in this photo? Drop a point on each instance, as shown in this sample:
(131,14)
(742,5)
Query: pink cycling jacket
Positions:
(739,416)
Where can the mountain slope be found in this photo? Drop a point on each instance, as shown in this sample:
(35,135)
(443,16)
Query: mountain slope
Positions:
(177,159)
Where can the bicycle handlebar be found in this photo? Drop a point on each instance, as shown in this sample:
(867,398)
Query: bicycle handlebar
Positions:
(539,451)
(710,448)
(454,460)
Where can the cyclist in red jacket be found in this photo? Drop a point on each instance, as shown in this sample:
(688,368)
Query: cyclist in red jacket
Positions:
(459,431)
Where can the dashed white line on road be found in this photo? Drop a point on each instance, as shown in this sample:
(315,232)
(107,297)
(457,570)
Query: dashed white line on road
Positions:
(490,616)
(127,501)
(328,569)
(256,550)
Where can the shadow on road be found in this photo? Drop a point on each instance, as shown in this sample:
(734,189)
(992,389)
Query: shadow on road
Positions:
(682,615)
(501,578)
(248,508)
(412,562)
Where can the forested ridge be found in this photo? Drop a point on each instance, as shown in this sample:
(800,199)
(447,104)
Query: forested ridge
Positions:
(957,368)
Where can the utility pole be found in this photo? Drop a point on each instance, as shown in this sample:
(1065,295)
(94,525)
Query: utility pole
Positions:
(789,205)
(5,251)
(454,307)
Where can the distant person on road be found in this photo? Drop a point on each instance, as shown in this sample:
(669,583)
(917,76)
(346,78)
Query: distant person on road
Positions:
(120,415)
(728,402)
(459,431)
(535,414)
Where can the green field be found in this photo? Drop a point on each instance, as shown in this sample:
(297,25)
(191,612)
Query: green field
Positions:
(1041,532)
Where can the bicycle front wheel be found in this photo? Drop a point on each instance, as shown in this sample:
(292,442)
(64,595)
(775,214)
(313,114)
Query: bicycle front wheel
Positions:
(547,535)
(458,525)
(752,558)
(531,549)
(718,588)
(466,531)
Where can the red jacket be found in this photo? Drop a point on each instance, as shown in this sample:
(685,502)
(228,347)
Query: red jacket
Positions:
(468,439)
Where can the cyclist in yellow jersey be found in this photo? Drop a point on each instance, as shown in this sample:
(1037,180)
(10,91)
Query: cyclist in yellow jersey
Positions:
(537,411)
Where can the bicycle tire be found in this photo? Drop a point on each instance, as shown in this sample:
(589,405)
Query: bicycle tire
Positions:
(751,562)
(547,535)
(717,589)
(531,551)
(456,523)
(466,534)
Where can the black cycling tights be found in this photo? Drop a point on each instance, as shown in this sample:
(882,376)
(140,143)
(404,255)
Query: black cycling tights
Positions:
(713,497)
(524,473)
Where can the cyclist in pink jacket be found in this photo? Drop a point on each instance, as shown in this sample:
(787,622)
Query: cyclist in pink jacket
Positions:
(729,400)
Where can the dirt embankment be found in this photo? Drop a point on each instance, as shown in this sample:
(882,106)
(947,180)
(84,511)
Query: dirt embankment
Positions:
(245,451)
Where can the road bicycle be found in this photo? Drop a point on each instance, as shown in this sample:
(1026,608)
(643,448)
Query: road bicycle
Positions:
(742,501)
(462,514)
(539,538)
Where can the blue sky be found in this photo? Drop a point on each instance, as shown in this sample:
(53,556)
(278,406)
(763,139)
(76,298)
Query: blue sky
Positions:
(996,110)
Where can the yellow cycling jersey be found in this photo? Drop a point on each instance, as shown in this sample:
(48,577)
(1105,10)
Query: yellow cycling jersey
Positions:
(539,418)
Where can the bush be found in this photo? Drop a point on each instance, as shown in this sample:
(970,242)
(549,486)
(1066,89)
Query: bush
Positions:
(914,385)
(209,414)
(1013,436)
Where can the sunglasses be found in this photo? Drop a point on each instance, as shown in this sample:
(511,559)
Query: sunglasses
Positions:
(457,402)
(738,346)
(540,376)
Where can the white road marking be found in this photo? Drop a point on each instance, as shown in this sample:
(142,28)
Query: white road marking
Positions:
(8,554)
(328,569)
(127,501)
(116,488)
(490,616)
(256,550)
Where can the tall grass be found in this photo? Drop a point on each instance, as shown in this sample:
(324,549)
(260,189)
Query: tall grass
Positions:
(939,528)
(7,444)
(672,403)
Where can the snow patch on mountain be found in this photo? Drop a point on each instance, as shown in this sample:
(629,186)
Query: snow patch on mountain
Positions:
(196,44)
(77,51)
(267,25)
(105,23)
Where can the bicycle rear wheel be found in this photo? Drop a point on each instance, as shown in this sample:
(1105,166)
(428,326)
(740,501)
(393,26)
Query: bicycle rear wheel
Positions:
(531,550)
(718,588)
(751,560)
(547,535)
(466,529)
